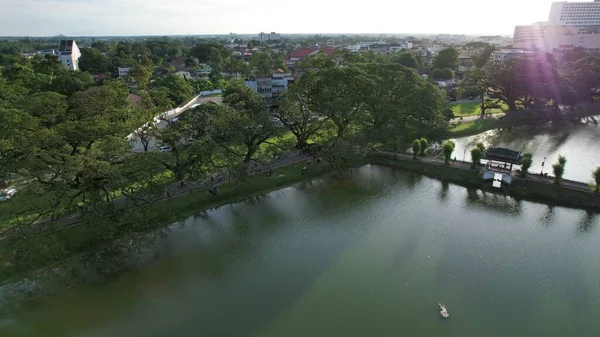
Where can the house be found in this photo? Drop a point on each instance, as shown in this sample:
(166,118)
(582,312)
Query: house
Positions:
(100,77)
(184,74)
(270,87)
(69,54)
(135,99)
(303,53)
(123,71)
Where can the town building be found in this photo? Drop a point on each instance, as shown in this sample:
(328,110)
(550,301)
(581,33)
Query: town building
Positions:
(123,71)
(183,74)
(69,54)
(270,87)
(507,54)
(452,39)
(530,37)
(302,53)
(264,37)
(569,25)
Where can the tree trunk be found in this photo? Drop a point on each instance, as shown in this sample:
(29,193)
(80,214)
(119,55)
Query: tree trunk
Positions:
(250,153)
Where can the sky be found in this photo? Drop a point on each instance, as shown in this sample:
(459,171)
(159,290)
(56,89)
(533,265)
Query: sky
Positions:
(190,17)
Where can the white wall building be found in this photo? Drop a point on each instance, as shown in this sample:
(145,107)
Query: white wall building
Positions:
(123,71)
(271,87)
(263,37)
(69,54)
(530,36)
(570,25)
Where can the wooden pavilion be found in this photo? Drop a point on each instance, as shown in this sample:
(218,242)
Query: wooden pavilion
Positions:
(499,166)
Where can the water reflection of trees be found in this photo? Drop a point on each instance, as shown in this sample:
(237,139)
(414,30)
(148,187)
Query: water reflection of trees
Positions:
(445,187)
(548,216)
(587,222)
(493,202)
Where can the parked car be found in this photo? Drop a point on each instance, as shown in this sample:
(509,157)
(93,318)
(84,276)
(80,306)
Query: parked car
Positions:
(7,194)
(165,149)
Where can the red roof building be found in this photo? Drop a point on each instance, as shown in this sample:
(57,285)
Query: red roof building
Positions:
(135,99)
(303,53)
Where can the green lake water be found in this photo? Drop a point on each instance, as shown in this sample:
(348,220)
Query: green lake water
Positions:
(370,256)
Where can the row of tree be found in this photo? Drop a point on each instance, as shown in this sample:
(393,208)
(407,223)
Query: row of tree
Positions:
(68,142)
(540,83)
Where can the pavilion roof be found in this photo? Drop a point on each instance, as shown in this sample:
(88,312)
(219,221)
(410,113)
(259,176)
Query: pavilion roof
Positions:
(503,155)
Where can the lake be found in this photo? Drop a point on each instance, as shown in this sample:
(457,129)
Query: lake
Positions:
(370,256)
(580,144)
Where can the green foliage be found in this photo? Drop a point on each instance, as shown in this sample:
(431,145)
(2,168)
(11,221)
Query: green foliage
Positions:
(261,63)
(476,156)
(92,60)
(408,59)
(424,145)
(179,90)
(447,149)
(416,147)
(526,162)
(596,176)
(441,74)
(141,75)
(559,169)
(446,59)
(481,147)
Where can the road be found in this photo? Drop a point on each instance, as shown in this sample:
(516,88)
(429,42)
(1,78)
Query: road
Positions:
(161,122)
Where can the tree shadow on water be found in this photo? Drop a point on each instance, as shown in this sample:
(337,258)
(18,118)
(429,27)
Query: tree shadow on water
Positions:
(586,224)
(443,196)
(547,217)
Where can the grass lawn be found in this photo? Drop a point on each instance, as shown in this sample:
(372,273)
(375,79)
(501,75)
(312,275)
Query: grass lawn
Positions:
(464,109)
(475,127)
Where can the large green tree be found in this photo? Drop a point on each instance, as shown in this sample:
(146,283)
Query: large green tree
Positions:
(242,123)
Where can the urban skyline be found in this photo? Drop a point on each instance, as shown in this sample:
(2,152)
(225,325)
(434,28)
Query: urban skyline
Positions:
(189,17)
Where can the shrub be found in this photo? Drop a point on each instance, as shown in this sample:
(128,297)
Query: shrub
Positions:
(416,147)
(481,147)
(526,162)
(448,148)
(424,144)
(559,170)
(596,175)
(476,155)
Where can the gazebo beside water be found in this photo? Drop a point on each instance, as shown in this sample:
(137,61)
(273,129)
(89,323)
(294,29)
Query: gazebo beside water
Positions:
(500,165)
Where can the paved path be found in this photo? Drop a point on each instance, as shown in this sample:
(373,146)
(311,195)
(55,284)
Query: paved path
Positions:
(161,121)
(476,117)
(467,166)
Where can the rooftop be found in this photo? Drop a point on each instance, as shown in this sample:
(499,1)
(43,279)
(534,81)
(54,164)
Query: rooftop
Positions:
(503,154)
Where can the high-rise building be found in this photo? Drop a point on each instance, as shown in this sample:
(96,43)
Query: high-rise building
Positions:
(263,37)
(69,54)
(573,24)
(569,25)
(530,36)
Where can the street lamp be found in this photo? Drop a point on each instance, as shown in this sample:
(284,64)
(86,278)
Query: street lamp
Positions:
(544,162)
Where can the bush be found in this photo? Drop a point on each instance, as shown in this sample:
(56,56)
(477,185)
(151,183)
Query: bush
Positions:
(416,147)
(476,156)
(423,143)
(559,169)
(481,147)
(448,148)
(526,162)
